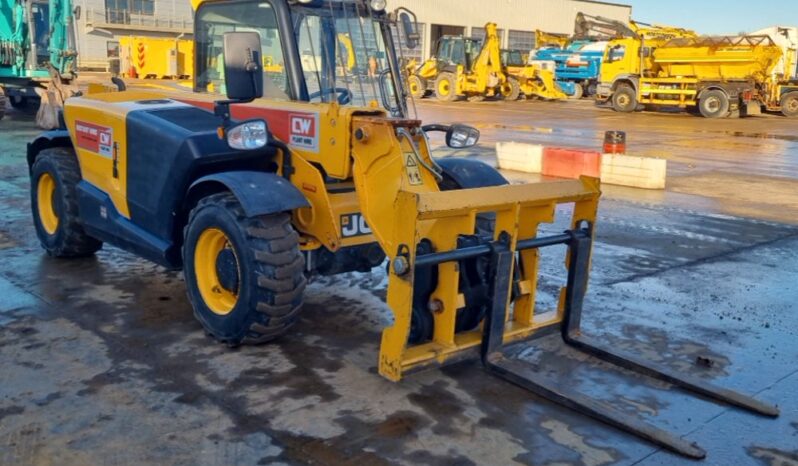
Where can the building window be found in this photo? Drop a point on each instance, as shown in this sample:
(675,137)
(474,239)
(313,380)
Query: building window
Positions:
(521,40)
(406,53)
(119,11)
(479,34)
(112,49)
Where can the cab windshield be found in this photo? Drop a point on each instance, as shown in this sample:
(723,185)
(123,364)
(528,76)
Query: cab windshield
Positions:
(343,54)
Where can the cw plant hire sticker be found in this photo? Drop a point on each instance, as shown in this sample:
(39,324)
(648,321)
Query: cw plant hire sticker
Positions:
(95,138)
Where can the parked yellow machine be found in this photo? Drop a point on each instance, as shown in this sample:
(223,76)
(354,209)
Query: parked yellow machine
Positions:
(302,172)
(465,67)
(717,75)
(156,58)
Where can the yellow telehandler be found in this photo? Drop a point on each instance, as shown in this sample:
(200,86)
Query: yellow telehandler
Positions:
(298,172)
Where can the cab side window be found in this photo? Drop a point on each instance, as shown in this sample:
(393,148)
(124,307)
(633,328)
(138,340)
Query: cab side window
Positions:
(214,20)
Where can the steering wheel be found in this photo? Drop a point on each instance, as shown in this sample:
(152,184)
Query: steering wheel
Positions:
(344,98)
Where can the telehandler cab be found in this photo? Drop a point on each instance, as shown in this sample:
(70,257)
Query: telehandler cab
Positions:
(326,174)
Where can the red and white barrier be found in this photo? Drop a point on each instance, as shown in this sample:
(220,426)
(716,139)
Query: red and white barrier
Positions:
(616,169)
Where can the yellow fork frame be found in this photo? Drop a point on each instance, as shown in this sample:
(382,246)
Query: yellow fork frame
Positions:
(402,213)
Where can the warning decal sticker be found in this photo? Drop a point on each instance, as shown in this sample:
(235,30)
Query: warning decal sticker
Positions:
(303,130)
(94,138)
(413,173)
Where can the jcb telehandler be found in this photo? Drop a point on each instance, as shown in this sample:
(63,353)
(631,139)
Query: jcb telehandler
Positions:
(326,174)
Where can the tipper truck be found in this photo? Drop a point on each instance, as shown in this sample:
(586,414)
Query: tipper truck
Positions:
(718,76)
(37,52)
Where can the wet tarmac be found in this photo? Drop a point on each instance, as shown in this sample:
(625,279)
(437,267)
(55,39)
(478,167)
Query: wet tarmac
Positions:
(102,362)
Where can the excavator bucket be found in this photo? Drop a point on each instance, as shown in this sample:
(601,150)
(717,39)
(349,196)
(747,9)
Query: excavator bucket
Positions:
(474,253)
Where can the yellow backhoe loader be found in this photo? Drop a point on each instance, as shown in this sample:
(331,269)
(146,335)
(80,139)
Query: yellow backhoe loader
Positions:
(466,67)
(301,172)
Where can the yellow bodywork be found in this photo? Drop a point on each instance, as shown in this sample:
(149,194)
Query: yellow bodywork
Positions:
(150,57)
(543,39)
(537,82)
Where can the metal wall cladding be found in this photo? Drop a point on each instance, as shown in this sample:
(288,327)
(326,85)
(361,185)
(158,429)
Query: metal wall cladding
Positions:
(555,16)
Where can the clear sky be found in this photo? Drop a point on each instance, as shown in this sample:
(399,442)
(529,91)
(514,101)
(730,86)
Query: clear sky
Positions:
(716,16)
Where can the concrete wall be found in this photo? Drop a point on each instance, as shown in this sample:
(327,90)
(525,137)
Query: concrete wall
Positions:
(555,16)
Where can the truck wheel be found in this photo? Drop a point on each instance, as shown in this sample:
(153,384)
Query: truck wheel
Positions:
(54,201)
(244,275)
(18,102)
(579,92)
(418,86)
(511,89)
(624,99)
(714,104)
(789,104)
(446,87)
(592,89)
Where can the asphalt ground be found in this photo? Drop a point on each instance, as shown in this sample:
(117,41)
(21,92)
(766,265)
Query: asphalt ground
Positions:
(102,362)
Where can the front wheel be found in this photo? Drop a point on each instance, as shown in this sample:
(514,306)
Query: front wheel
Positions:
(18,102)
(54,200)
(418,86)
(789,105)
(244,275)
(511,89)
(624,99)
(446,87)
(714,104)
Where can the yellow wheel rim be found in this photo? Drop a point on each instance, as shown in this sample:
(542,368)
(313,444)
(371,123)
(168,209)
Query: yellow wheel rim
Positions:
(413,87)
(443,88)
(206,253)
(45,196)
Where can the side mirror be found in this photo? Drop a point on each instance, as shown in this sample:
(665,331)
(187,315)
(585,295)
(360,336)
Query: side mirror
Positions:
(461,136)
(242,66)
(409,28)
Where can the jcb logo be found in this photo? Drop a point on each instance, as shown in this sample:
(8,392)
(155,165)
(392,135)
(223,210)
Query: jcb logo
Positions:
(354,225)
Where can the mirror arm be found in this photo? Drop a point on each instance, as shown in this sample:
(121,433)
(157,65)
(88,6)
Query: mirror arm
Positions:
(435,127)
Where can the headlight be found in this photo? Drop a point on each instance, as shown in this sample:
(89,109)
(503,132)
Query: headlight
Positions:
(378,5)
(249,135)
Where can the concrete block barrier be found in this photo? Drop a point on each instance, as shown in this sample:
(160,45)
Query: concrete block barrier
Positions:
(519,156)
(636,172)
(615,169)
(571,163)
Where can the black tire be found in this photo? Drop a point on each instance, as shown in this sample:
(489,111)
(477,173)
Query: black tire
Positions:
(417,86)
(591,90)
(624,99)
(579,92)
(67,238)
(268,278)
(511,89)
(714,104)
(18,102)
(789,105)
(446,87)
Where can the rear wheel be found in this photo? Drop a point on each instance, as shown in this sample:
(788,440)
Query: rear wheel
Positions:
(714,104)
(54,201)
(592,89)
(579,92)
(418,86)
(789,105)
(446,87)
(510,89)
(624,99)
(244,275)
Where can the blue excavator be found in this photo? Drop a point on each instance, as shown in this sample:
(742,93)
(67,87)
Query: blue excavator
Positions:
(38,55)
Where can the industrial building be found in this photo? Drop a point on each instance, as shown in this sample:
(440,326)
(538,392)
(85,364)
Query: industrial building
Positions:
(103,22)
